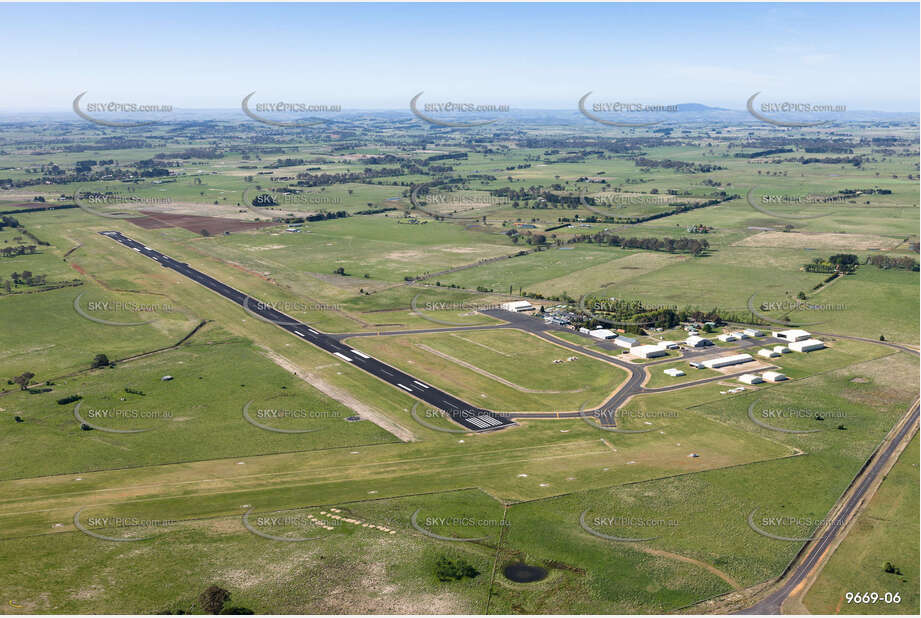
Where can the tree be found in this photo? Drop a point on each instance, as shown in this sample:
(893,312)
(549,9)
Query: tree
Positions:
(212,600)
(23,380)
(100,360)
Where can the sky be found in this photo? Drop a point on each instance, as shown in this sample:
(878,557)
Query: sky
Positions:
(541,56)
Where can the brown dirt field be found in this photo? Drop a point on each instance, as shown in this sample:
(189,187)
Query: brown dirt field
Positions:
(194,223)
(801,240)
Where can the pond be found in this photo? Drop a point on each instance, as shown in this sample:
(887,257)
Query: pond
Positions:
(524,573)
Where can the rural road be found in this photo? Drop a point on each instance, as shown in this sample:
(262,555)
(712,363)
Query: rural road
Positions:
(468,416)
(817,549)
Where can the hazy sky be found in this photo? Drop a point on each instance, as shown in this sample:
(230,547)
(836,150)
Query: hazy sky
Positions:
(865,56)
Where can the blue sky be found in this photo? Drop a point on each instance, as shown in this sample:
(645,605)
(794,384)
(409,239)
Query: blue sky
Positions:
(525,56)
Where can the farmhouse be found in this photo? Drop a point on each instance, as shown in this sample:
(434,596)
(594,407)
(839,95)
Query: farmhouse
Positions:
(768,353)
(750,378)
(696,341)
(673,372)
(807,346)
(517,306)
(773,376)
(725,361)
(648,351)
(794,334)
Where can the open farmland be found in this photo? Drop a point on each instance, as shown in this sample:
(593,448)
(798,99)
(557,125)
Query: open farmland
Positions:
(344,349)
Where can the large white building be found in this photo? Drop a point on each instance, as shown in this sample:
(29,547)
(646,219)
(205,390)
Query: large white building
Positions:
(773,376)
(781,349)
(668,345)
(727,337)
(807,346)
(793,334)
(753,332)
(625,342)
(725,361)
(696,341)
(602,333)
(768,353)
(648,351)
(750,378)
(673,372)
(517,306)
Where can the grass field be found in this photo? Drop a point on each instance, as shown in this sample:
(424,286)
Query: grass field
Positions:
(887,530)
(684,477)
(503,370)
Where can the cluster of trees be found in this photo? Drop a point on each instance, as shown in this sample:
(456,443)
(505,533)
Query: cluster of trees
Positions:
(27,277)
(447,570)
(671,245)
(684,167)
(305,179)
(7,221)
(886,262)
(856,161)
(762,153)
(213,600)
(838,263)
(17,250)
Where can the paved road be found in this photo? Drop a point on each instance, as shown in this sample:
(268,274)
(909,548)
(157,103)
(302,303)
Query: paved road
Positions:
(773,602)
(470,417)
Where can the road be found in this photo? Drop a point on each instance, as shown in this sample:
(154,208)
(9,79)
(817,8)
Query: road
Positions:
(470,417)
(812,555)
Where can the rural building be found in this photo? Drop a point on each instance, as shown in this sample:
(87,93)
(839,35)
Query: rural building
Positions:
(517,306)
(668,345)
(753,332)
(648,351)
(768,353)
(794,334)
(727,337)
(750,378)
(807,346)
(773,376)
(625,342)
(695,341)
(781,349)
(725,361)
(584,330)
(603,333)
(740,334)
(673,372)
